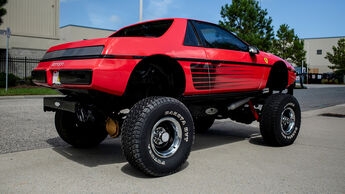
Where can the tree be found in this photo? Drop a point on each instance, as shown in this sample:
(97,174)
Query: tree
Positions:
(248,21)
(338,57)
(2,10)
(288,46)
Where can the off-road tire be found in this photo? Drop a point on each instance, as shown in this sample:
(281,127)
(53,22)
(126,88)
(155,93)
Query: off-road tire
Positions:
(138,129)
(272,125)
(80,135)
(203,124)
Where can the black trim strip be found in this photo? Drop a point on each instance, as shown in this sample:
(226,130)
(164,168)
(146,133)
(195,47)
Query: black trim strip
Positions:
(220,96)
(216,87)
(94,57)
(221,61)
(211,79)
(215,83)
(75,70)
(201,75)
(127,56)
(202,65)
(213,75)
(203,79)
(141,57)
(203,70)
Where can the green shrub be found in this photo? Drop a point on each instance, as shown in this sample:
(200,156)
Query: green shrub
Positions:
(12,80)
(324,81)
(28,81)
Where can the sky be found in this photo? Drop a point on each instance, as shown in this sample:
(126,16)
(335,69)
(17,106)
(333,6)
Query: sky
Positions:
(309,18)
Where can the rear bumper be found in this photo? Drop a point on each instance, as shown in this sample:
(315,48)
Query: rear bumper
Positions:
(105,75)
(58,103)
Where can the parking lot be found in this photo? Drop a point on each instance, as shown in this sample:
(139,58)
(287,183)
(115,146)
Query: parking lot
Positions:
(230,158)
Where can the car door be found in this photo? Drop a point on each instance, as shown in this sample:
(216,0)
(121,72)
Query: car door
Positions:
(231,67)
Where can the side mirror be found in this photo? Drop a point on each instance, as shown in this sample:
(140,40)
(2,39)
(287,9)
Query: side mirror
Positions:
(253,50)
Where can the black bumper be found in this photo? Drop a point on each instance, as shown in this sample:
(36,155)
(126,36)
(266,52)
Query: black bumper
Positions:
(59,103)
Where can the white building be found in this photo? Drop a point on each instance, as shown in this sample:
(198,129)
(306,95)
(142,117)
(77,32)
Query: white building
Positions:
(70,33)
(35,28)
(316,51)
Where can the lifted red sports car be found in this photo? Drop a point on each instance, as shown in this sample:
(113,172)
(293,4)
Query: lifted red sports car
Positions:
(156,82)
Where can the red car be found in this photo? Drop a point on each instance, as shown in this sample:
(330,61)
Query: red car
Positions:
(156,82)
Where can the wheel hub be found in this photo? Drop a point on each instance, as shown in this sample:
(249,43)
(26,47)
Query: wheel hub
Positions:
(166,137)
(160,136)
(287,121)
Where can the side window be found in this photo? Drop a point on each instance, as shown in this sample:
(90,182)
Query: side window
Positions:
(190,38)
(216,37)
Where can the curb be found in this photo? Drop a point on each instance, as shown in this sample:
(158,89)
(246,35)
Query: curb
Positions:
(320,86)
(28,97)
(310,113)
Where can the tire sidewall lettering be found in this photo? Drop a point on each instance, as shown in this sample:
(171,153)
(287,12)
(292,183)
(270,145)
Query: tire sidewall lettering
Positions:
(153,156)
(290,104)
(181,119)
(185,135)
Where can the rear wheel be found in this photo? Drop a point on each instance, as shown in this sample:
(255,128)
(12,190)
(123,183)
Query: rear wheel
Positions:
(281,120)
(157,135)
(78,134)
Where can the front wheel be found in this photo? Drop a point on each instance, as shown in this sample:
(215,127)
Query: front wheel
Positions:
(280,120)
(157,135)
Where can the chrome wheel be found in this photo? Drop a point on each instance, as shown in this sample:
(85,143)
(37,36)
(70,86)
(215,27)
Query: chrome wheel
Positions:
(287,120)
(166,137)
(280,120)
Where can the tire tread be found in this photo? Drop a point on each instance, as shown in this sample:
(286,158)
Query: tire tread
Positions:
(269,121)
(131,131)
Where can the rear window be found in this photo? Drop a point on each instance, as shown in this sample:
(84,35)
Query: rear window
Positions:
(148,29)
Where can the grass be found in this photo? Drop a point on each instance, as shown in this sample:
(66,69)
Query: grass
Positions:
(27,91)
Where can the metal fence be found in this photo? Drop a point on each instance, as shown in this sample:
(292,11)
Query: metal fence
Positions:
(19,66)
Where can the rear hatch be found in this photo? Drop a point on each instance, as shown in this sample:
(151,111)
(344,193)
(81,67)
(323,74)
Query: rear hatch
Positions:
(65,64)
(76,50)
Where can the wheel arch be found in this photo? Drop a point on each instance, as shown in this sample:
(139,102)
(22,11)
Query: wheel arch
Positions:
(278,77)
(168,66)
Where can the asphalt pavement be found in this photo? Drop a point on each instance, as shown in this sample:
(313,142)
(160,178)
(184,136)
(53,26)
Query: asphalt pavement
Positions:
(320,96)
(24,125)
(231,158)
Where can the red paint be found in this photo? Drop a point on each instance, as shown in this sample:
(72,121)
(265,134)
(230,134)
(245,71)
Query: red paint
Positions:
(111,75)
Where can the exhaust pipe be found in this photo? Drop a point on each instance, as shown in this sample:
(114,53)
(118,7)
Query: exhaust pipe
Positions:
(237,104)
